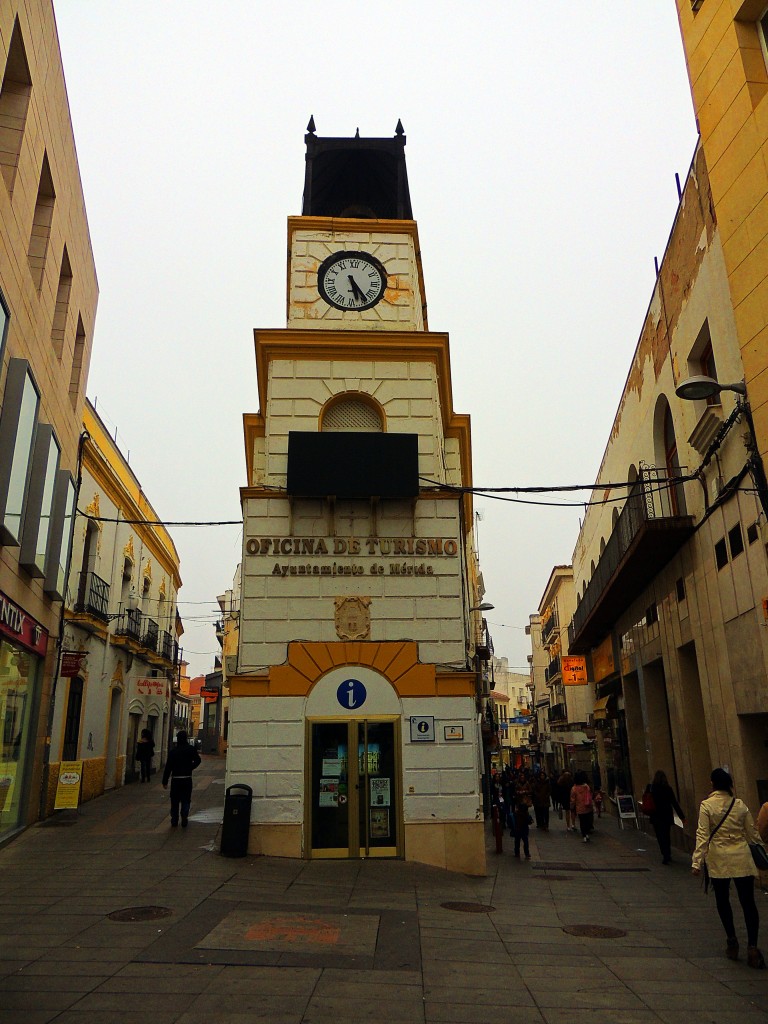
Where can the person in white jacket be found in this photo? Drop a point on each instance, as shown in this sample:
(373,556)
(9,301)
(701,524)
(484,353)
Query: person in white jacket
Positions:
(722,845)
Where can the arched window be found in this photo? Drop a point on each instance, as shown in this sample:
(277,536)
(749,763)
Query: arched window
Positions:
(352,412)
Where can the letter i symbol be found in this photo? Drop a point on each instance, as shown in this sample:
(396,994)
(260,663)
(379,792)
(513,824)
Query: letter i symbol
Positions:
(351,693)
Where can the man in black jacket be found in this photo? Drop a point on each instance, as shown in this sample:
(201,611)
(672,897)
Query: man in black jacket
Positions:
(182,761)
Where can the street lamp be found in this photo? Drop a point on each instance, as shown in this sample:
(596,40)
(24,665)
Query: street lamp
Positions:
(697,388)
(484,607)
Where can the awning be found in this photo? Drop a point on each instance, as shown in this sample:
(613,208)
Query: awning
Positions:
(600,709)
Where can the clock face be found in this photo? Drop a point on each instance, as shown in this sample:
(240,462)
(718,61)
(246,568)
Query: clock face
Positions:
(351,280)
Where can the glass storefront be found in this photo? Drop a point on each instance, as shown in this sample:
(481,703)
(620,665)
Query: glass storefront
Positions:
(19,676)
(354,807)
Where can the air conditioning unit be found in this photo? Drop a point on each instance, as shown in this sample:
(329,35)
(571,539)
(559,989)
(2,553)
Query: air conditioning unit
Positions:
(230,664)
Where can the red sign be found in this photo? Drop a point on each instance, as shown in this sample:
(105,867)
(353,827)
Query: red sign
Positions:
(71,663)
(151,687)
(210,696)
(22,628)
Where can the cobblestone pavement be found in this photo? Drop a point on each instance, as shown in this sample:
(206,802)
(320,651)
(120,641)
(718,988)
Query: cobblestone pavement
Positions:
(343,942)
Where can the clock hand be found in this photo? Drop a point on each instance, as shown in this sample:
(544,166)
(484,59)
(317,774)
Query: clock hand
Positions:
(356,290)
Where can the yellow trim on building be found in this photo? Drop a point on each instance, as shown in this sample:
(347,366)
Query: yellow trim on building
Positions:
(397,662)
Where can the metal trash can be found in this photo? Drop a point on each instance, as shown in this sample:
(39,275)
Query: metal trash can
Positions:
(237,820)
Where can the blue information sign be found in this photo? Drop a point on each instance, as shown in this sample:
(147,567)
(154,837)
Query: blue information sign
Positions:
(351,694)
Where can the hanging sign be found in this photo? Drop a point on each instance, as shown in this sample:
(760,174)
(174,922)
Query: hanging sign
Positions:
(71,663)
(574,669)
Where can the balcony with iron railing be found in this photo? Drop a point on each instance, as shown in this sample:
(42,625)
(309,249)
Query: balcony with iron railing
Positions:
(550,629)
(150,635)
(166,646)
(557,713)
(649,531)
(129,625)
(93,596)
(553,669)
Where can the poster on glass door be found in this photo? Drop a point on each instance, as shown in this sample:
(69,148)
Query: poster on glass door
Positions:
(380,793)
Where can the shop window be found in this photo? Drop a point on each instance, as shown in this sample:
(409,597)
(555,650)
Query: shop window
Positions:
(18,704)
(14,104)
(736,540)
(18,422)
(72,721)
(721,553)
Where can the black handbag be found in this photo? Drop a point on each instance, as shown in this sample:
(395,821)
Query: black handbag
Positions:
(759,856)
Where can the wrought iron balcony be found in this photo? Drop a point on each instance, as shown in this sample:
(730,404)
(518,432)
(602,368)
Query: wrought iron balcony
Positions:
(550,629)
(649,531)
(552,669)
(166,646)
(150,635)
(129,624)
(557,713)
(93,596)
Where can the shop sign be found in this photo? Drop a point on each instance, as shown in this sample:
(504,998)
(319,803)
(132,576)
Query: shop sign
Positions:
(602,660)
(68,786)
(21,628)
(150,687)
(574,669)
(71,663)
(209,694)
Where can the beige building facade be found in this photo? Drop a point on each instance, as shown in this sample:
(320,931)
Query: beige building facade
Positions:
(670,570)
(726,50)
(48,298)
(354,709)
(120,651)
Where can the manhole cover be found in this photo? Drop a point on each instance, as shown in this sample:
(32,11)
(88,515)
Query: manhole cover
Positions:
(594,931)
(551,878)
(468,908)
(140,914)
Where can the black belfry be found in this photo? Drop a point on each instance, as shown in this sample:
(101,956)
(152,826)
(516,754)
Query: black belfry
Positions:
(356,177)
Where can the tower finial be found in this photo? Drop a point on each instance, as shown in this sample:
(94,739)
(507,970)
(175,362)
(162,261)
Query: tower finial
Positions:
(357,133)
(311,125)
(399,130)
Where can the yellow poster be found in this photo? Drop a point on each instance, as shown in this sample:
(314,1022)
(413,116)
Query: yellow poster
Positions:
(68,788)
(574,670)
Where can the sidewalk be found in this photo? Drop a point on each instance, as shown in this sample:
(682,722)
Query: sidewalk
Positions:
(343,942)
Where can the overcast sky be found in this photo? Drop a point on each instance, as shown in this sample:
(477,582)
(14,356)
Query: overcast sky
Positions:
(543,140)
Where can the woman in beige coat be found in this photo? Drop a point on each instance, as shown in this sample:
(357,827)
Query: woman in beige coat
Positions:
(722,837)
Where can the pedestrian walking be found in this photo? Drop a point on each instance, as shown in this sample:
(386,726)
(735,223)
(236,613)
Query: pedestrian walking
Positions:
(582,804)
(665,807)
(145,749)
(541,791)
(565,785)
(182,761)
(722,851)
(522,825)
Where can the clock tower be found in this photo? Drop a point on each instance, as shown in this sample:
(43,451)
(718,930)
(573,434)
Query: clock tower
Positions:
(354,710)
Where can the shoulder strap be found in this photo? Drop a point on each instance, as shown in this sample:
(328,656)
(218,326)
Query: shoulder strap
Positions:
(717,826)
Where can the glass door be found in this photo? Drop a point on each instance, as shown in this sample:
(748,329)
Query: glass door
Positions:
(330,788)
(354,804)
(378,789)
